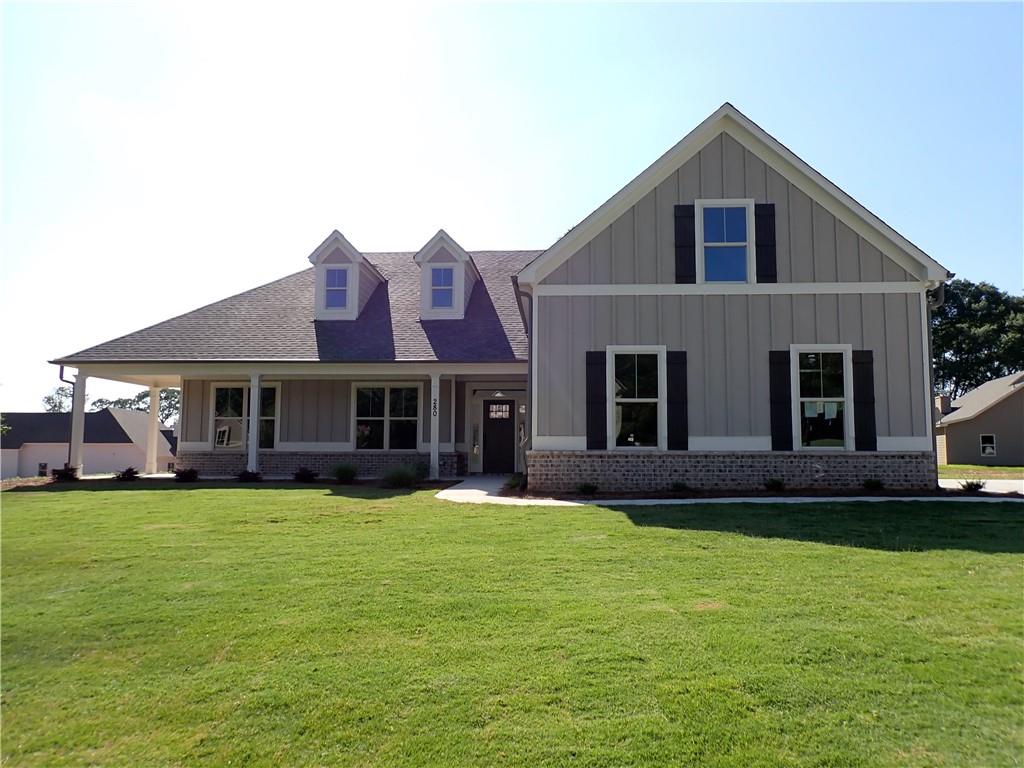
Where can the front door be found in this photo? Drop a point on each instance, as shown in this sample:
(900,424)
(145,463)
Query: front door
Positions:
(499,437)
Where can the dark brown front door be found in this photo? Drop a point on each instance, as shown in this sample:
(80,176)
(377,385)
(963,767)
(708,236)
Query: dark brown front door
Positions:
(499,436)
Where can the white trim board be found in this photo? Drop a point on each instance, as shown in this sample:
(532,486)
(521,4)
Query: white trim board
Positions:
(728,119)
(722,289)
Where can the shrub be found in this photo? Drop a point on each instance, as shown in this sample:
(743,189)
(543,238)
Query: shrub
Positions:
(516,483)
(127,475)
(873,484)
(305,475)
(345,473)
(586,489)
(65,475)
(245,476)
(774,484)
(972,486)
(190,475)
(680,487)
(402,476)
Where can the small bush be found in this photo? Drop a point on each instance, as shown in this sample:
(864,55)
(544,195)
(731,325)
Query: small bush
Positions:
(345,473)
(65,475)
(972,486)
(586,489)
(190,475)
(304,475)
(127,475)
(680,487)
(774,484)
(402,476)
(516,483)
(245,476)
(873,484)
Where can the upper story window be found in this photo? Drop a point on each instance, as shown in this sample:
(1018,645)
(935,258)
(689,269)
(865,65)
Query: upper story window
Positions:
(442,287)
(724,238)
(336,288)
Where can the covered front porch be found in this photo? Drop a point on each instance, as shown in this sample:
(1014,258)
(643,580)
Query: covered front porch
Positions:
(273,418)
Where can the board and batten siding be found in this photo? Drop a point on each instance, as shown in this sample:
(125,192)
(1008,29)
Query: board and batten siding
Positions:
(811,244)
(727,340)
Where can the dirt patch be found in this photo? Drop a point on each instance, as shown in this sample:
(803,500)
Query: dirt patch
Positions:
(708,605)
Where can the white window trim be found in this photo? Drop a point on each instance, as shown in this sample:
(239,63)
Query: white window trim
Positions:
(388,386)
(327,290)
(244,386)
(646,349)
(794,384)
(431,268)
(981,446)
(699,206)
(351,309)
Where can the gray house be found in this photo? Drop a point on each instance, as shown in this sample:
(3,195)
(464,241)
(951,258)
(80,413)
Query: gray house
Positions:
(728,316)
(984,426)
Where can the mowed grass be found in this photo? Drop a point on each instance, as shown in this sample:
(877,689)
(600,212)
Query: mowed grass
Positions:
(278,626)
(980,471)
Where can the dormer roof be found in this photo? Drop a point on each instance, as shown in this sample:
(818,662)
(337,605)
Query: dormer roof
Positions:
(442,247)
(336,249)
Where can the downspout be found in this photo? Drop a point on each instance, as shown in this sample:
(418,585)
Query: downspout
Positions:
(60,376)
(934,298)
(522,295)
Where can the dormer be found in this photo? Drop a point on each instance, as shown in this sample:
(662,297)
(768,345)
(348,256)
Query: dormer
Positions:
(447,277)
(344,279)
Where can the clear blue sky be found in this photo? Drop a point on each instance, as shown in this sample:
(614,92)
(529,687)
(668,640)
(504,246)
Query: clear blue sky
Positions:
(159,157)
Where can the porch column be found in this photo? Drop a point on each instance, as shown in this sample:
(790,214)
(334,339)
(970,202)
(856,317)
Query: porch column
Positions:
(78,423)
(254,423)
(154,427)
(435,424)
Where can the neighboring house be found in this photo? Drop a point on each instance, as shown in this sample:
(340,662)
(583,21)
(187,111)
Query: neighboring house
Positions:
(728,316)
(115,438)
(985,426)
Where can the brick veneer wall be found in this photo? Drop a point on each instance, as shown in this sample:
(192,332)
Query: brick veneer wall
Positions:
(284,463)
(565,471)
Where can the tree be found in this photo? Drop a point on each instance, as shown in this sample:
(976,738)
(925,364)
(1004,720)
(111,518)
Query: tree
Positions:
(59,401)
(4,426)
(977,335)
(170,403)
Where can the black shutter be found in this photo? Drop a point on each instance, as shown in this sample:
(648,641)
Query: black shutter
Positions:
(675,369)
(686,246)
(865,436)
(597,425)
(781,401)
(764,241)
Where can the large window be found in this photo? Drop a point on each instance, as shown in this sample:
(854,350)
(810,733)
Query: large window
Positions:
(822,401)
(387,418)
(442,287)
(231,417)
(724,244)
(336,288)
(635,378)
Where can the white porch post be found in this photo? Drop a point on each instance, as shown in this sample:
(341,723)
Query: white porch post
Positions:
(435,423)
(78,423)
(154,426)
(254,423)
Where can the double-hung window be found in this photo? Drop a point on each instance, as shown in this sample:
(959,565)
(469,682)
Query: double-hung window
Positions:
(988,445)
(442,287)
(231,417)
(336,288)
(822,402)
(636,382)
(725,229)
(387,418)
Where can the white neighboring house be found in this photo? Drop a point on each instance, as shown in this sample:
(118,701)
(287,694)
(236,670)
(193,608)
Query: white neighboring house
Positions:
(115,438)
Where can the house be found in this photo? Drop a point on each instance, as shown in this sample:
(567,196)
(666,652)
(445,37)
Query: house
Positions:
(729,316)
(984,426)
(114,438)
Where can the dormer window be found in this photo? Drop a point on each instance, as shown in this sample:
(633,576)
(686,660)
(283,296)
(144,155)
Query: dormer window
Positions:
(447,278)
(442,290)
(336,288)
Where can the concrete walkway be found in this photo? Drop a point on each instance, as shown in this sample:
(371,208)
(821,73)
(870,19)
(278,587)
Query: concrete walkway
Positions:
(485,489)
(991,486)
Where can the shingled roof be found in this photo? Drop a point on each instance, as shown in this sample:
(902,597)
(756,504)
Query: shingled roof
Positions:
(275,322)
(979,400)
(111,425)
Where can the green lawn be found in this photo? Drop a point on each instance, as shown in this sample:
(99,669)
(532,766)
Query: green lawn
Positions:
(980,471)
(328,626)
